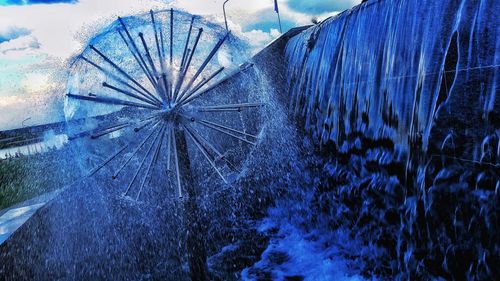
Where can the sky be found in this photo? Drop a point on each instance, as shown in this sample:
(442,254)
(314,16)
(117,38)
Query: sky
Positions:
(38,38)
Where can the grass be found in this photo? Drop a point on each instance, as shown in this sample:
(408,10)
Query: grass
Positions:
(30,176)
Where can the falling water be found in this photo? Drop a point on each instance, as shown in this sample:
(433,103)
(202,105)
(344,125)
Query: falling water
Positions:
(391,69)
(401,96)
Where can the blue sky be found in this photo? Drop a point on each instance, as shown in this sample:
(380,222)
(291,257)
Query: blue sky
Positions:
(38,37)
(320,6)
(34,2)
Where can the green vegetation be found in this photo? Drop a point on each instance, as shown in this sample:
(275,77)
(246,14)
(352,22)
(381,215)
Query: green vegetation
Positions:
(29,176)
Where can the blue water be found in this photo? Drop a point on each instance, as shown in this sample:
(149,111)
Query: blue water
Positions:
(401,97)
(381,69)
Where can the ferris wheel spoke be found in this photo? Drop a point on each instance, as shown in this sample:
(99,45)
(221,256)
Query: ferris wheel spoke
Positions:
(157,40)
(160,88)
(226,132)
(184,70)
(185,52)
(162,44)
(141,60)
(107,161)
(203,140)
(152,162)
(206,122)
(144,68)
(130,94)
(123,72)
(202,83)
(205,63)
(171,36)
(110,130)
(205,153)
(149,58)
(194,96)
(206,143)
(144,123)
(136,150)
(111,101)
(228,107)
(112,76)
(146,155)
(86,133)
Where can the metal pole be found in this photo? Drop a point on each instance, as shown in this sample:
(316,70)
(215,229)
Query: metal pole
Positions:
(196,232)
(127,93)
(144,68)
(115,175)
(123,72)
(225,132)
(136,50)
(180,79)
(153,160)
(205,153)
(171,35)
(25,121)
(112,101)
(229,107)
(160,57)
(187,42)
(202,83)
(205,63)
(225,17)
(279,20)
(108,131)
(243,68)
(277,10)
(226,128)
(148,55)
(96,169)
(169,148)
(114,77)
(143,161)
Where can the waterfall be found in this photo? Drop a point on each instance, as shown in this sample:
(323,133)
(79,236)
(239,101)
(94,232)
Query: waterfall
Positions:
(395,68)
(400,95)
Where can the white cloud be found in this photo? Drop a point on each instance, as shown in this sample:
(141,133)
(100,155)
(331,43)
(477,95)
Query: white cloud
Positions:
(37,83)
(54,33)
(19,47)
(8,33)
(62,28)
